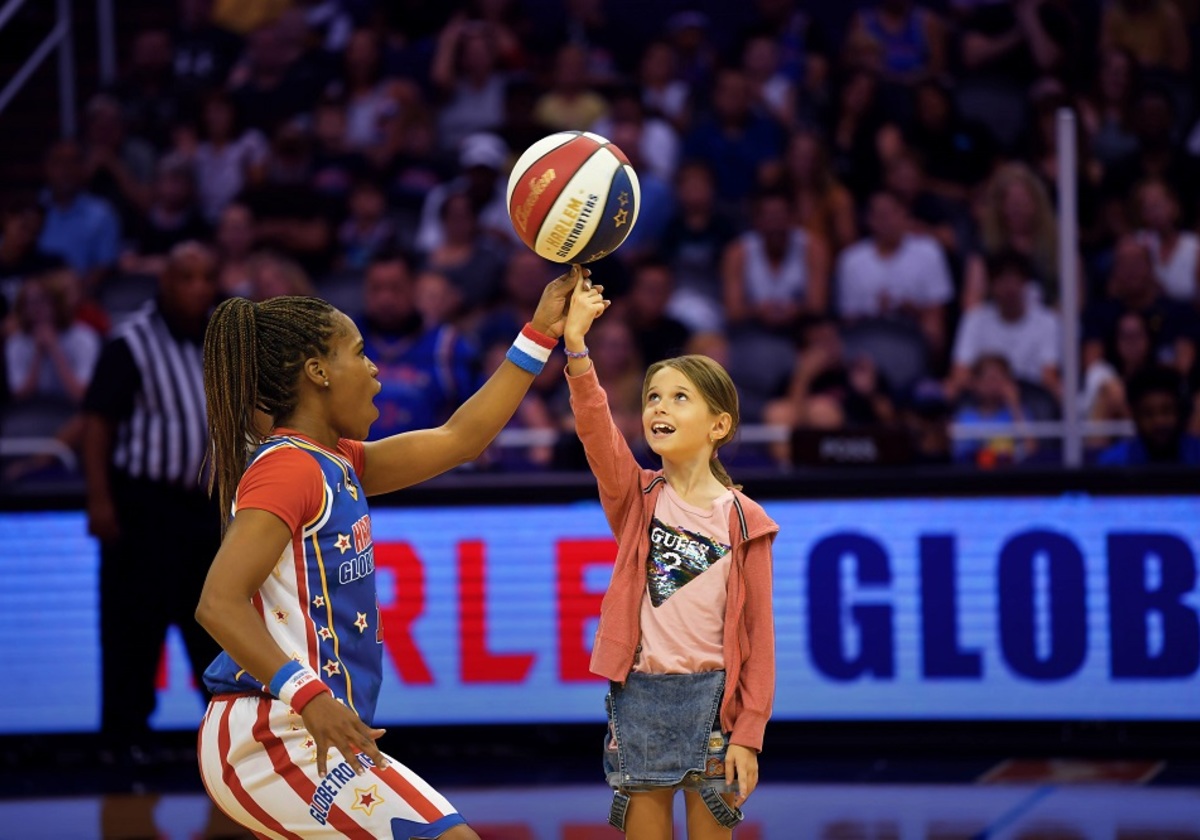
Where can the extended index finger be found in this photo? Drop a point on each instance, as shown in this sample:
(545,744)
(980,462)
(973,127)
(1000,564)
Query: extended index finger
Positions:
(322,756)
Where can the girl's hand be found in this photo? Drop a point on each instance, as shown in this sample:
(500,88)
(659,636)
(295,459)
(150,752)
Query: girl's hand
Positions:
(741,763)
(587,304)
(333,725)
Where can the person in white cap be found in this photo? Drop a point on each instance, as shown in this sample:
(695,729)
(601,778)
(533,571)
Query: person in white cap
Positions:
(483,163)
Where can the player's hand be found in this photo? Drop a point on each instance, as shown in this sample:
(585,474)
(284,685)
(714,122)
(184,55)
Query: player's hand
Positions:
(741,763)
(587,304)
(551,314)
(334,725)
(102,519)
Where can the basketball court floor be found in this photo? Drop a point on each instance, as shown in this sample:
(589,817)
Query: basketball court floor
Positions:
(820,799)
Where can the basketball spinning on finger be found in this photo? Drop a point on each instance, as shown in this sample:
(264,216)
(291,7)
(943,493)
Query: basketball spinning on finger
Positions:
(573,197)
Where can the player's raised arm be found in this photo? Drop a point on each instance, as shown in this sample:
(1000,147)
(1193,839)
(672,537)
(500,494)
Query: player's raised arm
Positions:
(411,457)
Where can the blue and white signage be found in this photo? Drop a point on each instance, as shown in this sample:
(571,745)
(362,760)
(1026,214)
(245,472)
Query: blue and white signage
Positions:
(1066,607)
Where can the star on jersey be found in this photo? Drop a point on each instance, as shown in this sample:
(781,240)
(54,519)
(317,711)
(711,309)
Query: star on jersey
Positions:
(621,218)
(309,743)
(331,667)
(280,614)
(319,601)
(343,543)
(352,490)
(361,623)
(325,633)
(366,800)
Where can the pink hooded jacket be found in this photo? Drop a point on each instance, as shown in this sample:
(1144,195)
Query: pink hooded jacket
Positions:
(628,495)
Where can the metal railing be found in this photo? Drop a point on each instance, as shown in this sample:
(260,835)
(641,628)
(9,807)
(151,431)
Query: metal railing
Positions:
(61,40)
(763,433)
(23,447)
(1068,271)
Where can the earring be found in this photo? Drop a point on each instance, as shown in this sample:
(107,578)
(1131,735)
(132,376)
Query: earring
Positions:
(326,383)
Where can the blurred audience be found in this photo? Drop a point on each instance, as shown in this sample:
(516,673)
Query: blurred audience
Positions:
(992,397)
(733,139)
(774,273)
(173,216)
(1012,324)
(695,238)
(426,369)
(117,167)
(368,229)
(1152,30)
(235,239)
(470,261)
(79,227)
(50,355)
(1176,252)
(470,81)
(913,165)
(822,205)
(482,160)
(1160,408)
(1016,215)
(570,103)
(21,255)
(227,157)
(657,333)
(831,389)
(894,272)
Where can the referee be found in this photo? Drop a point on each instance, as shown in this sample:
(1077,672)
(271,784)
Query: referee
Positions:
(144,442)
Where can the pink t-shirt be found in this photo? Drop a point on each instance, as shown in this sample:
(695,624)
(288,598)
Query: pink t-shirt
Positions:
(683,606)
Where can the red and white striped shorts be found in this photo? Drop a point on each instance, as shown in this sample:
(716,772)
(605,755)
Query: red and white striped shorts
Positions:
(259,765)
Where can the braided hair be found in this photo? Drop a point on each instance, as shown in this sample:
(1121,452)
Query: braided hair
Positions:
(253,357)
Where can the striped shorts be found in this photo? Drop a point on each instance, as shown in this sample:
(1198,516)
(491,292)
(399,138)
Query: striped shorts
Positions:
(259,765)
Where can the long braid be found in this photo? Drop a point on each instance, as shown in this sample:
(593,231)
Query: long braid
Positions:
(253,356)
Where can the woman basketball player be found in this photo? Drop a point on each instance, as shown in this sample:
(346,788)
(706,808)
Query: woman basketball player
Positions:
(291,594)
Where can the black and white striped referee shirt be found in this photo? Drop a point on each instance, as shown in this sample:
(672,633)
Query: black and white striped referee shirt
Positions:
(149,382)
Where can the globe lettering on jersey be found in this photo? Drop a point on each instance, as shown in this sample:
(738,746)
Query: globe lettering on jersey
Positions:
(573,197)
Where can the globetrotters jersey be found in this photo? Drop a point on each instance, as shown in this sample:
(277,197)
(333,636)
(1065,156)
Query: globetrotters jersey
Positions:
(319,602)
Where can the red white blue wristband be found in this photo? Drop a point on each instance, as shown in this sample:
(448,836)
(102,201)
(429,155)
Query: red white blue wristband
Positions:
(531,350)
(296,684)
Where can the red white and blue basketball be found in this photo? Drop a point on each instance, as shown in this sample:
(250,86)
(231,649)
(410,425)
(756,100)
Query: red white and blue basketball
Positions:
(573,197)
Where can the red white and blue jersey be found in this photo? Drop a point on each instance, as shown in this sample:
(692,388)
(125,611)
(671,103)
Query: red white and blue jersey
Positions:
(319,602)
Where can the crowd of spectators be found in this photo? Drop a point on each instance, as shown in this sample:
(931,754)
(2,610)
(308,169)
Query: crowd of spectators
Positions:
(854,210)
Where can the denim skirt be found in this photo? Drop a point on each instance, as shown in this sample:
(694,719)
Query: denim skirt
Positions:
(664,731)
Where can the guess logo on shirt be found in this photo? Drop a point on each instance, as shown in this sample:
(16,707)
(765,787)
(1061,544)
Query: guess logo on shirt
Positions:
(677,557)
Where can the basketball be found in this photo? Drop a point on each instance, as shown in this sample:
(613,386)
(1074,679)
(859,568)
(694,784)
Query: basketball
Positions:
(573,197)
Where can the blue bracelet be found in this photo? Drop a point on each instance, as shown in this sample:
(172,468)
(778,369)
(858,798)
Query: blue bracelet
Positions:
(284,674)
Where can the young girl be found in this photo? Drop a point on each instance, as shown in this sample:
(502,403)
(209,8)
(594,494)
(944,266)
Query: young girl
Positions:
(291,594)
(686,633)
